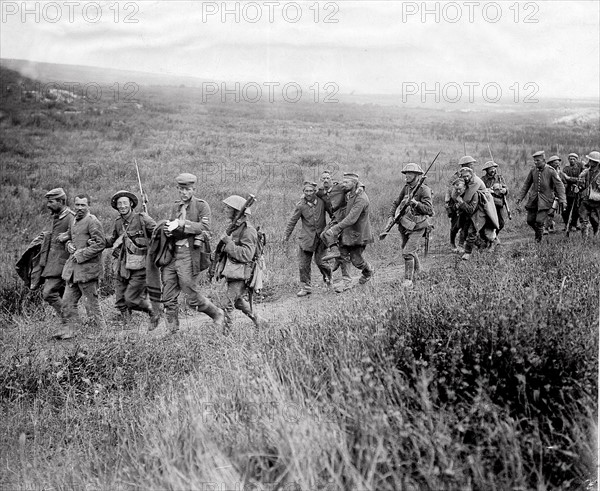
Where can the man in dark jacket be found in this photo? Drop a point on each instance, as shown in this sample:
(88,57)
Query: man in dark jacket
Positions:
(589,182)
(355,229)
(85,243)
(544,185)
(53,254)
(311,210)
(452,206)
(130,237)
(497,186)
(188,228)
(569,176)
(414,220)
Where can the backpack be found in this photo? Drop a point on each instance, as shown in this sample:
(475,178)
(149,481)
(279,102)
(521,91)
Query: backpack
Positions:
(259,268)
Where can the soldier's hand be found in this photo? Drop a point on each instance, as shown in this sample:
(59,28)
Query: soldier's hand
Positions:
(63,237)
(225,239)
(91,242)
(576,189)
(71,248)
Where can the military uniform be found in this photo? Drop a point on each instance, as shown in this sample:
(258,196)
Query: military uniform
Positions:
(181,274)
(132,234)
(312,214)
(589,182)
(83,267)
(497,186)
(53,255)
(569,176)
(542,185)
(414,223)
(456,218)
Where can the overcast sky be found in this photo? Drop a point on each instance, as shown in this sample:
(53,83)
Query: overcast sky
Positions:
(366,47)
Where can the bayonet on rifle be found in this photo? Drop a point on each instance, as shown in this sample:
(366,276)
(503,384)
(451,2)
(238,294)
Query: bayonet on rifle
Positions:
(143,197)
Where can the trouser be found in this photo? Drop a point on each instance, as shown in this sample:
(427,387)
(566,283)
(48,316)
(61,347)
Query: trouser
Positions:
(589,214)
(236,299)
(130,293)
(470,234)
(304,260)
(500,213)
(177,276)
(54,288)
(455,226)
(73,293)
(410,247)
(572,204)
(536,220)
(354,254)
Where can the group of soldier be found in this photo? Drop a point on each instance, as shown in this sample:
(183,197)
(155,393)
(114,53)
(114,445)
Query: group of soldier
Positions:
(153,262)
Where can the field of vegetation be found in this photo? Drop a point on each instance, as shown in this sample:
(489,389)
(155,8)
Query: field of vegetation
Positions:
(482,377)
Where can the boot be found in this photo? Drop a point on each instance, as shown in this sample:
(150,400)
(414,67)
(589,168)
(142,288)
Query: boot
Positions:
(409,268)
(367,274)
(332,253)
(154,311)
(466,256)
(304,291)
(216,314)
(259,322)
(417,264)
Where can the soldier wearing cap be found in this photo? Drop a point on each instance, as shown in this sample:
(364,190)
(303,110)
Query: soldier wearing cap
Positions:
(311,210)
(496,184)
(85,243)
(53,254)
(543,184)
(413,223)
(239,249)
(188,228)
(589,182)
(355,229)
(569,176)
(452,205)
(129,239)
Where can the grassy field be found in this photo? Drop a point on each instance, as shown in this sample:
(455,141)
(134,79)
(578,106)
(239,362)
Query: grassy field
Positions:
(482,377)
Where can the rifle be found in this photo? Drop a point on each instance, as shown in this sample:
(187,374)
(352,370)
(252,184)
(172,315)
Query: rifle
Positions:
(401,209)
(504,202)
(250,200)
(143,196)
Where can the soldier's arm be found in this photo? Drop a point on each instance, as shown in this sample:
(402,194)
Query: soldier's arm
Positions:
(244,252)
(424,205)
(292,222)
(148,223)
(203,225)
(395,204)
(469,207)
(97,243)
(559,188)
(110,239)
(353,215)
(526,186)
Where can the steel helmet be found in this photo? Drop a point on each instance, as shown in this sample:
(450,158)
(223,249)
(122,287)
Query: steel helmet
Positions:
(466,160)
(488,164)
(412,167)
(237,203)
(595,156)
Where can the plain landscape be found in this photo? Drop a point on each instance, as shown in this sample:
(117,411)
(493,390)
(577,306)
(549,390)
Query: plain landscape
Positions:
(484,376)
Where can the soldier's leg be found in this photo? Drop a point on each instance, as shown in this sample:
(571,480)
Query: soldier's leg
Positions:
(471,237)
(540,220)
(54,288)
(454,227)
(120,288)
(70,300)
(567,211)
(595,217)
(189,285)
(170,295)
(324,268)
(233,291)
(500,213)
(136,296)
(304,259)
(409,253)
(359,262)
(89,290)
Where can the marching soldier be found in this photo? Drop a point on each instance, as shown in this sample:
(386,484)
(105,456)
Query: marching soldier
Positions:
(589,182)
(496,184)
(53,254)
(550,226)
(129,238)
(414,221)
(85,243)
(543,184)
(240,248)
(452,206)
(569,176)
(311,210)
(355,230)
(190,221)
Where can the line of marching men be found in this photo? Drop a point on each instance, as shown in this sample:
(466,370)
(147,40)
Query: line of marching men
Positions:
(154,262)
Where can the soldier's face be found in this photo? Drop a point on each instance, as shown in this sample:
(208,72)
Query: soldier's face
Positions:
(539,162)
(572,160)
(491,171)
(466,177)
(186,192)
(54,205)
(459,186)
(81,207)
(326,180)
(124,206)
(309,193)
(347,184)
(410,177)
(230,212)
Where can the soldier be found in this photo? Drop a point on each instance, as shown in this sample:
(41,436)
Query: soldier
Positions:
(240,248)
(550,226)
(569,176)
(189,224)
(53,254)
(355,230)
(414,221)
(452,206)
(130,237)
(589,182)
(545,184)
(311,210)
(85,243)
(472,212)
(334,197)
(496,184)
